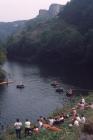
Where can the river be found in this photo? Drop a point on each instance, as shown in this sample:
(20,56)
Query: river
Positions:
(36,99)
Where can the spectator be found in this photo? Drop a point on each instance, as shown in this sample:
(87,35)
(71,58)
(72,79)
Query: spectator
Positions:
(83,100)
(78,118)
(76,123)
(40,123)
(51,121)
(27,127)
(83,119)
(18,126)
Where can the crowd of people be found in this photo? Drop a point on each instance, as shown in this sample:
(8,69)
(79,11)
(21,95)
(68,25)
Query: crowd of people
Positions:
(42,123)
(52,123)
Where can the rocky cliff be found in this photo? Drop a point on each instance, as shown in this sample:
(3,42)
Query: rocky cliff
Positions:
(54,9)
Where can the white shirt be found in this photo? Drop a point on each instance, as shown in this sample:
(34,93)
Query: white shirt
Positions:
(18,125)
(76,123)
(40,124)
(51,121)
(83,120)
(27,124)
(61,119)
(83,100)
(78,119)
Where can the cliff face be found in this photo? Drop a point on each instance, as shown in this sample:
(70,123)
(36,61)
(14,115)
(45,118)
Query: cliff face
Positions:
(54,9)
(43,12)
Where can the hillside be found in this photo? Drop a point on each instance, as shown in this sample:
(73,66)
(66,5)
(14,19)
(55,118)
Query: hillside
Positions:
(80,14)
(65,39)
(35,30)
(8,28)
(2,59)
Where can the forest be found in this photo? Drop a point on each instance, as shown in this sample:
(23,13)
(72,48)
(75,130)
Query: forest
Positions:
(2,59)
(66,39)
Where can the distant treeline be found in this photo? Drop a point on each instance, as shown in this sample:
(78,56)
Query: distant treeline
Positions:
(65,39)
(2,58)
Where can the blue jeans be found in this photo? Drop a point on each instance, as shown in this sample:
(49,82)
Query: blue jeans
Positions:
(18,133)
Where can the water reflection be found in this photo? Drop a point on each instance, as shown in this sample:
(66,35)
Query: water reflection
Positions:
(79,77)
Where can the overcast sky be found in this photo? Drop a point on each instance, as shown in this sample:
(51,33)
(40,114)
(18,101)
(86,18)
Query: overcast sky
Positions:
(11,10)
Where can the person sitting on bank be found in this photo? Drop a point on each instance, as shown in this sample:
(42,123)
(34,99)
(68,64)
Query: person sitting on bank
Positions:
(81,106)
(59,120)
(18,126)
(83,119)
(76,123)
(36,130)
(74,112)
(27,127)
(83,100)
(40,123)
(43,119)
(78,118)
(51,121)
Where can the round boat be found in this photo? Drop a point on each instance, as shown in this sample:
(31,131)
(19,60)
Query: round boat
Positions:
(20,86)
(53,84)
(59,90)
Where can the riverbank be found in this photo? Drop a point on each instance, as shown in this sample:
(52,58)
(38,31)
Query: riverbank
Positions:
(2,75)
(66,133)
(2,60)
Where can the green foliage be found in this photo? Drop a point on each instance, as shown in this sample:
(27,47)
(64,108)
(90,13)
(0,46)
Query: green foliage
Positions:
(66,39)
(46,135)
(2,75)
(2,59)
(79,13)
(8,28)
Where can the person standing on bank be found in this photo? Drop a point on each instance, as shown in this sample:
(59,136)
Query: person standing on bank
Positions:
(18,126)
(27,127)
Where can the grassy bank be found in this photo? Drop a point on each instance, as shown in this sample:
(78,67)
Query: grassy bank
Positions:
(66,133)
